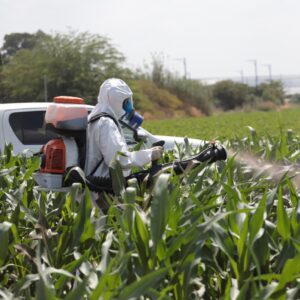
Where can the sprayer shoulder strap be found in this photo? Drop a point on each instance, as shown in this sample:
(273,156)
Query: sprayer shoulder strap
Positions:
(100,115)
(93,119)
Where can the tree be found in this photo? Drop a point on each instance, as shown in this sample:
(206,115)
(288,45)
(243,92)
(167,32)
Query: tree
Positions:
(272,91)
(72,64)
(229,94)
(17,41)
(158,73)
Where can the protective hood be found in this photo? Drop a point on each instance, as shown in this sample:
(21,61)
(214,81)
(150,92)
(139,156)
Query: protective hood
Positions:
(111,96)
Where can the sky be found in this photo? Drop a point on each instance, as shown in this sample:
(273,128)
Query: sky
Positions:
(217,38)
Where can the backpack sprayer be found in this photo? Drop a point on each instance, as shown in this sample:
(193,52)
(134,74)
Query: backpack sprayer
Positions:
(68,118)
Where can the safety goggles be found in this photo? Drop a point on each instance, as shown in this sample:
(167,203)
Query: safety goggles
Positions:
(128,105)
(133,118)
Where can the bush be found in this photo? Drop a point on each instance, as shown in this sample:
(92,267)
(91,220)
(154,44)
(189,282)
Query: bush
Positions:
(272,91)
(149,98)
(265,106)
(229,94)
(190,92)
(295,98)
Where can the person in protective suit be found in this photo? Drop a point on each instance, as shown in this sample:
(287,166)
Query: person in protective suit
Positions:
(105,137)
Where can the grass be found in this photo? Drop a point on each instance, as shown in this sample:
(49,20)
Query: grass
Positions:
(228,125)
(220,231)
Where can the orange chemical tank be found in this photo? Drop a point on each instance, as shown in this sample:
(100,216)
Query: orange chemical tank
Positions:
(67,113)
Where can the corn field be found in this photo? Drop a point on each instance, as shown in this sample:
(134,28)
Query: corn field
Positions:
(228,230)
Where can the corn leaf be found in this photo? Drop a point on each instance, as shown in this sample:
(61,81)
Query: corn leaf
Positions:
(283,223)
(159,209)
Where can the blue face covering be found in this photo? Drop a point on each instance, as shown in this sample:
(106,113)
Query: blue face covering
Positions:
(128,105)
(133,118)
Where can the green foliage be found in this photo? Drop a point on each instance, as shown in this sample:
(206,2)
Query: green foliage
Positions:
(230,94)
(17,41)
(294,98)
(161,97)
(73,63)
(265,106)
(190,92)
(219,231)
(156,101)
(228,125)
(158,70)
(77,63)
(273,92)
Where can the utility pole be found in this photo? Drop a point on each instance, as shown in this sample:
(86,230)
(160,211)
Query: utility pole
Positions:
(183,59)
(242,75)
(254,61)
(270,71)
(45,88)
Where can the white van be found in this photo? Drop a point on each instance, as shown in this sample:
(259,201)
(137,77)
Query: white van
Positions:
(23,125)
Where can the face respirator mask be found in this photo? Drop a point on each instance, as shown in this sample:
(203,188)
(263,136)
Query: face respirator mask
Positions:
(132,118)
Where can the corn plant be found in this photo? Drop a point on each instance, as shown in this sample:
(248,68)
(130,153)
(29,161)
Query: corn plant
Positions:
(223,231)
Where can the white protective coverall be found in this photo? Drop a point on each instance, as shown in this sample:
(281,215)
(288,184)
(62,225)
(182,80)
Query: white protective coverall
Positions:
(105,139)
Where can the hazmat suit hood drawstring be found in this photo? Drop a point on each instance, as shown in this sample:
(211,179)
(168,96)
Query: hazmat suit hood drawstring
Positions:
(111,96)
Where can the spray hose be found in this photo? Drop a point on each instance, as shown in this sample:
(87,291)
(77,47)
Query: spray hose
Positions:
(214,152)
